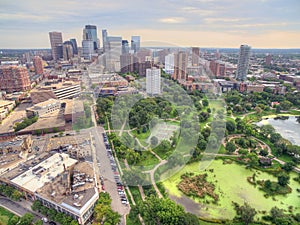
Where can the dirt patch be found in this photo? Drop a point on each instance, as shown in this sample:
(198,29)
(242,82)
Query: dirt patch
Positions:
(197,186)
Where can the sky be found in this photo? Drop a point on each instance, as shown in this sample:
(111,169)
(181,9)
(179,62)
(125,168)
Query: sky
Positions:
(184,23)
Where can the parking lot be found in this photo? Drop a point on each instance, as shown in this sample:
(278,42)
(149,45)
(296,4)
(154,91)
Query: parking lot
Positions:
(109,173)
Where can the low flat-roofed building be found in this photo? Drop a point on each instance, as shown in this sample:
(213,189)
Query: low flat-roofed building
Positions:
(255,88)
(44,172)
(72,192)
(5,108)
(73,110)
(59,90)
(59,182)
(43,108)
(46,123)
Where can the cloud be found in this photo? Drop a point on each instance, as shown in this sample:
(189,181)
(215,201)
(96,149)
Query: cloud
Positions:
(224,20)
(33,19)
(172,20)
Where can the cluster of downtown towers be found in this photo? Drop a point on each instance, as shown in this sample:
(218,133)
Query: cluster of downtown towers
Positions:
(90,44)
(114,46)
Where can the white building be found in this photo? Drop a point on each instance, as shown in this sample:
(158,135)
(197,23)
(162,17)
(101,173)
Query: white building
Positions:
(87,49)
(153,81)
(43,108)
(169,64)
(243,63)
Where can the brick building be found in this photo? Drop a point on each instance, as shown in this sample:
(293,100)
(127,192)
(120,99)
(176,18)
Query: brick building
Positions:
(14,79)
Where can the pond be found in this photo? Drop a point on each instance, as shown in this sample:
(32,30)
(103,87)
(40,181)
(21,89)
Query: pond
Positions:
(231,185)
(287,126)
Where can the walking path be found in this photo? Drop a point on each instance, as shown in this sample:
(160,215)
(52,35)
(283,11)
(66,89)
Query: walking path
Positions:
(230,137)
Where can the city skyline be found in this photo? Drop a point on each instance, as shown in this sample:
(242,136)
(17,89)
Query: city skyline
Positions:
(205,23)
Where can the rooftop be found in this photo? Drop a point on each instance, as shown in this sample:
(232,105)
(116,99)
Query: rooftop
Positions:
(45,103)
(5,102)
(44,172)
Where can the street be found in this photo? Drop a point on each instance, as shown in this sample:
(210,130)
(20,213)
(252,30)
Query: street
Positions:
(18,208)
(107,173)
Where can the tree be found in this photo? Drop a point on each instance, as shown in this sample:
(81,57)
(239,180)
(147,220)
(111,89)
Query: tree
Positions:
(202,144)
(13,221)
(36,205)
(103,213)
(163,211)
(276,213)
(286,105)
(205,102)
(39,222)
(230,147)
(274,137)
(283,179)
(245,213)
(154,140)
(288,166)
(16,195)
(26,219)
(263,152)
(230,126)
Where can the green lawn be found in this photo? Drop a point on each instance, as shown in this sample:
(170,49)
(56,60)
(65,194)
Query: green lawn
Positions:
(147,159)
(136,194)
(5,216)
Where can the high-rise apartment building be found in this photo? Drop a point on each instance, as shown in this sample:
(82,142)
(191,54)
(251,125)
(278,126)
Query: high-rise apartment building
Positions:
(180,65)
(218,68)
(243,63)
(87,49)
(68,50)
(268,60)
(38,65)
(90,34)
(74,45)
(195,56)
(56,42)
(113,53)
(135,43)
(14,79)
(153,81)
(169,64)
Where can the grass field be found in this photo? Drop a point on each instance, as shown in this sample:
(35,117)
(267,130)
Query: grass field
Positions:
(5,216)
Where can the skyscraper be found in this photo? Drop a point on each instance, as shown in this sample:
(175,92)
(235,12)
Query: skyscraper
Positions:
(113,53)
(153,81)
(135,43)
(125,47)
(56,44)
(67,50)
(90,34)
(104,40)
(180,65)
(243,63)
(74,45)
(38,65)
(87,49)
(169,64)
(195,56)
(14,78)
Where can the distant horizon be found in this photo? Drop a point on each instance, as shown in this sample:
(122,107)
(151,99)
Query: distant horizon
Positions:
(237,48)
